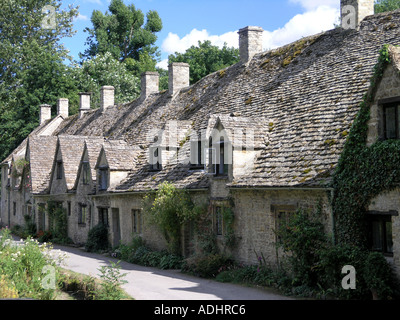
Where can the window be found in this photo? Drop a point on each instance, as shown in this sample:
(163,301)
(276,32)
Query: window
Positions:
(136,221)
(391,121)
(155,159)
(219,157)
(221,165)
(196,155)
(282,213)
(82,214)
(14,208)
(59,169)
(103,216)
(380,233)
(86,172)
(103,178)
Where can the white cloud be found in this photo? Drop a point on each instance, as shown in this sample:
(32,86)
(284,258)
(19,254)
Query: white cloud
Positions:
(173,43)
(81,17)
(163,64)
(314,4)
(94,1)
(311,22)
(320,15)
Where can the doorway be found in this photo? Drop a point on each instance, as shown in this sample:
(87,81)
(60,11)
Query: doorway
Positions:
(116,227)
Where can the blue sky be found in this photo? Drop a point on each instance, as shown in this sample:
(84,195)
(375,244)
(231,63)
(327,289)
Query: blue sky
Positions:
(185,22)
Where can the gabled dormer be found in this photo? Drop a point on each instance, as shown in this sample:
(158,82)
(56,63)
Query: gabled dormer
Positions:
(66,163)
(115,161)
(233,145)
(384,123)
(102,172)
(86,177)
(219,151)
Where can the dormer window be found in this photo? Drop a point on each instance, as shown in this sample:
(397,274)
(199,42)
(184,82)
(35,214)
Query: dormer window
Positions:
(103,178)
(219,157)
(197,155)
(85,173)
(59,169)
(222,165)
(391,121)
(155,159)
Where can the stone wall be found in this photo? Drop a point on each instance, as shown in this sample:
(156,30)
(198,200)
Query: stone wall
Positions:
(255,219)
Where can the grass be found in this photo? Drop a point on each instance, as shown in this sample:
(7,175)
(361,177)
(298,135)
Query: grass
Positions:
(77,286)
(28,269)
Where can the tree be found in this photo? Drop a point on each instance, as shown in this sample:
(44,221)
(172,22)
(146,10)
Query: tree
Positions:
(386,5)
(105,70)
(206,59)
(124,34)
(31,64)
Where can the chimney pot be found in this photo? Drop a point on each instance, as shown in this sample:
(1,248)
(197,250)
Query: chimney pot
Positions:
(179,77)
(63,107)
(354,11)
(45,113)
(250,42)
(150,83)
(106,97)
(84,103)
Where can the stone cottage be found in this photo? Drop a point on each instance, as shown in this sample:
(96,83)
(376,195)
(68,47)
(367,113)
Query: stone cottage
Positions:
(262,137)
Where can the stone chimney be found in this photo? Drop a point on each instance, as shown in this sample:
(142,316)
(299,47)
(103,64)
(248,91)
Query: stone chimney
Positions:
(84,103)
(150,84)
(106,97)
(354,11)
(45,113)
(179,77)
(63,107)
(250,42)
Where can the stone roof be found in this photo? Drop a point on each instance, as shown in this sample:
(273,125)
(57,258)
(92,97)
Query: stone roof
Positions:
(71,148)
(301,99)
(120,155)
(41,151)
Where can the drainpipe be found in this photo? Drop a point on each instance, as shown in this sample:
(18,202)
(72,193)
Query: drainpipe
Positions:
(333,221)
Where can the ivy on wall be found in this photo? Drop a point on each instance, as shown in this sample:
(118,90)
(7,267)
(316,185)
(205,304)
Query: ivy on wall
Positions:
(363,171)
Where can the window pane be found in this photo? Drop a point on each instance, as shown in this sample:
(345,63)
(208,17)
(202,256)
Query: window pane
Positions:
(377,234)
(390,115)
(389,238)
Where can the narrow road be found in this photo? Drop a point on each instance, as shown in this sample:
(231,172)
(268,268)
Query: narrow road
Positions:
(146,283)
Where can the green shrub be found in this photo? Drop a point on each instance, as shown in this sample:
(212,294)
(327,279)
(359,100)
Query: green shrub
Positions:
(112,280)
(44,236)
(303,237)
(97,239)
(23,267)
(329,270)
(378,276)
(170,261)
(30,226)
(207,266)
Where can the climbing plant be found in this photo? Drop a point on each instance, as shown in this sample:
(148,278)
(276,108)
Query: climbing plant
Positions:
(169,208)
(363,171)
